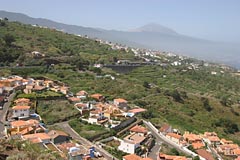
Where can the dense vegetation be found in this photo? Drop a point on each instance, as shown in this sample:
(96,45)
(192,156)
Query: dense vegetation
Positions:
(53,111)
(192,100)
(89,131)
(17,41)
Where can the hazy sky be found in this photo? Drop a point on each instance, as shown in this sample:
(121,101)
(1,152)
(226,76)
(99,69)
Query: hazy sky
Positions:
(208,19)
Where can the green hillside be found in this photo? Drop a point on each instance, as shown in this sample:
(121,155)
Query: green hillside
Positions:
(193,100)
(17,41)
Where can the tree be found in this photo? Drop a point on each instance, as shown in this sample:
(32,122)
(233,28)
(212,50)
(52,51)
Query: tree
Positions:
(176,96)
(2,23)
(146,84)
(196,158)
(206,104)
(9,39)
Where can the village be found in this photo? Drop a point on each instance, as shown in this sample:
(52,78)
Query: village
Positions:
(138,137)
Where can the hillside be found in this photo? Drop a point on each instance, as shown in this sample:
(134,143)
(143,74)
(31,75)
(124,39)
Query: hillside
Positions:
(152,36)
(55,46)
(193,100)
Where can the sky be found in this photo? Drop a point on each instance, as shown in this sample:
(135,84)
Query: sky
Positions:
(217,20)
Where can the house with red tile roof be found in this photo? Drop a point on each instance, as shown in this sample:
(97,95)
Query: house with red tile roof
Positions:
(48,83)
(82,94)
(136,110)
(238,158)
(170,157)
(166,129)
(198,145)
(121,103)
(211,138)
(134,157)
(203,153)
(21,111)
(37,138)
(64,90)
(74,99)
(193,139)
(21,127)
(139,130)
(22,102)
(176,138)
(236,152)
(97,96)
(227,149)
(224,141)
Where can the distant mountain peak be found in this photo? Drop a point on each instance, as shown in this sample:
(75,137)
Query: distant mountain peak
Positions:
(154,27)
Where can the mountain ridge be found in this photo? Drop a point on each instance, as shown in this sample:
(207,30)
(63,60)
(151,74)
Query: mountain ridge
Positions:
(154,27)
(152,36)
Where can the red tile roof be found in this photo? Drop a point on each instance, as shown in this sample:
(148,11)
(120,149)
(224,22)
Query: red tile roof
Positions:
(164,128)
(137,110)
(81,93)
(198,145)
(42,136)
(22,100)
(170,157)
(20,107)
(74,99)
(203,153)
(120,100)
(134,157)
(21,123)
(138,129)
(174,135)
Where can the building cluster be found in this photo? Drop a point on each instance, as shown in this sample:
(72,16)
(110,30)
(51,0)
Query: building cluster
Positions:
(205,145)
(96,111)
(29,85)
(27,125)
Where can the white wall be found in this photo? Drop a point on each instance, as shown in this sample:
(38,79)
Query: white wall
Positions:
(128,147)
(21,113)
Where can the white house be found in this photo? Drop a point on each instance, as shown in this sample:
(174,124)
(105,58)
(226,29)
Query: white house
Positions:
(21,111)
(130,143)
(93,120)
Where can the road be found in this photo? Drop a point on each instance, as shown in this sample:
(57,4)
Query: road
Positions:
(155,150)
(165,140)
(65,126)
(3,114)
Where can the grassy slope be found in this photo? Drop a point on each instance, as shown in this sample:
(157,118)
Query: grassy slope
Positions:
(189,114)
(56,44)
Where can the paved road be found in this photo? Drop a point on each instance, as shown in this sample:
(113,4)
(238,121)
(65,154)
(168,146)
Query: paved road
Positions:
(3,114)
(65,126)
(165,140)
(155,150)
